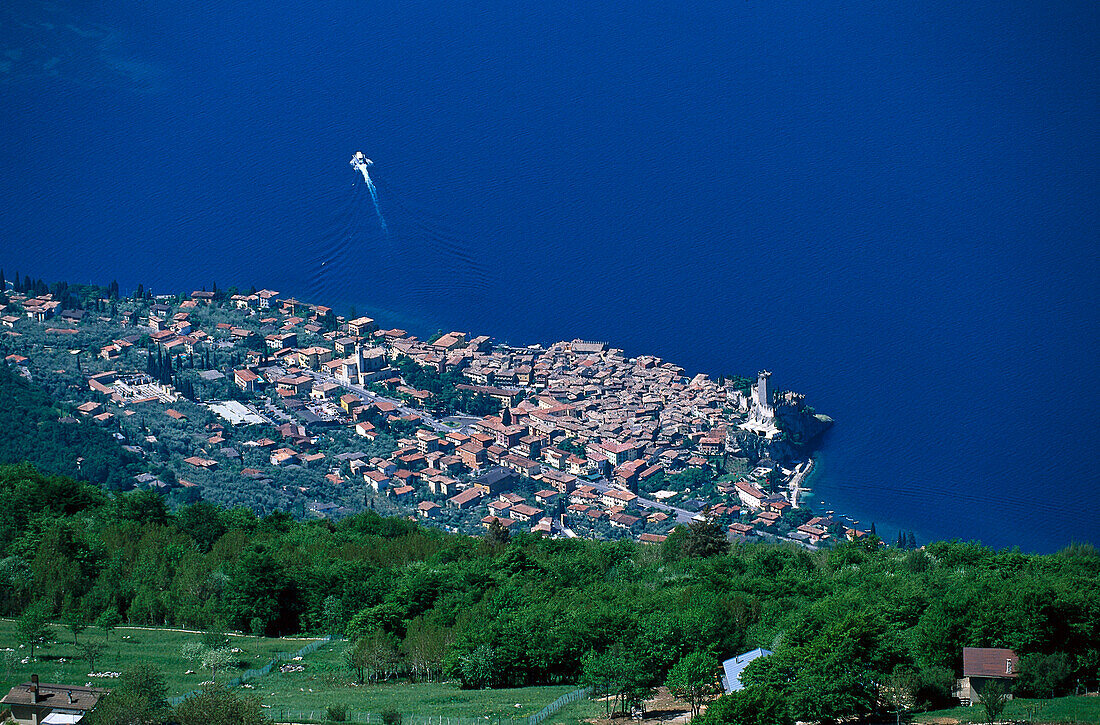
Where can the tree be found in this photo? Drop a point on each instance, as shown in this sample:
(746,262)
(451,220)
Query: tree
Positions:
(705,538)
(333,615)
(217,658)
(146,680)
(217,705)
(932,687)
(1043,675)
(33,626)
(898,691)
(992,697)
(425,646)
(497,535)
(373,656)
(755,705)
(192,651)
(478,669)
(693,679)
(107,621)
(123,707)
(90,651)
(76,620)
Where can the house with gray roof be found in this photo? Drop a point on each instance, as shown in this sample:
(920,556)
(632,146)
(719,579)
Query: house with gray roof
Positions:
(734,666)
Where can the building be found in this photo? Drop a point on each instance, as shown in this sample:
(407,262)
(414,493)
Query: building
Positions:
(467,499)
(750,495)
(428,510)
(246,380)
(761,419)
(35,703)
(361,326)
(734,666)
(494,481)
(983,665)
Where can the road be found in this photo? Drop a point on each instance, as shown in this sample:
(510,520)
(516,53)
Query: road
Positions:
(801,471)
(683,516)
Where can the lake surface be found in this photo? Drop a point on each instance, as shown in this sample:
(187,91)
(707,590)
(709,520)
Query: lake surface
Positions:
(891,206)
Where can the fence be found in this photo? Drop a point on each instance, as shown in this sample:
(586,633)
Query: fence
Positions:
(316,716)
(558,704)
(373,718)
(265,670)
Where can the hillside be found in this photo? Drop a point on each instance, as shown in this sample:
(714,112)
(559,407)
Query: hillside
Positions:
(427,605)
(40,430)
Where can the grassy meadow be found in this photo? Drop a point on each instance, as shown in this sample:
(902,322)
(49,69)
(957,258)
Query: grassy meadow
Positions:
(126,646)
(1058,710)
(326,680)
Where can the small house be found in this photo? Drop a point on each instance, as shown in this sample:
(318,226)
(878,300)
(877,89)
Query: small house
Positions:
(734,666)
(983,665)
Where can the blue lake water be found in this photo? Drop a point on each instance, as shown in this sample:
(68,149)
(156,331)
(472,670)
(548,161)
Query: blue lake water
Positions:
(891,206)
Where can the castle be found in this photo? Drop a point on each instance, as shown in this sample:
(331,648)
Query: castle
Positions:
(761,419)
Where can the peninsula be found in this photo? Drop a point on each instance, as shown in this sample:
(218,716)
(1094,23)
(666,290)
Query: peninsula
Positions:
(256,399)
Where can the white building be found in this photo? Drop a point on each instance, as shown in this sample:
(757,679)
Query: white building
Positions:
(761,419)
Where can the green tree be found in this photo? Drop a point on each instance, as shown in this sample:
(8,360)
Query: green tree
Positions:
(333,615)
(705,538)
(993,697)
(124,707)
(90,651)
(1042,675)
(263,589)
(497,535)
(76,619)
(107,621)
(754,705)
(147,680)
(217,705)
(479,667)
(33,626)
(932,687)
(693,678)
(192,652)
(216,659)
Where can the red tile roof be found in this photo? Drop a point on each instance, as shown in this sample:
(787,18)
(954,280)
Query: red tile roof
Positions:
(989,662)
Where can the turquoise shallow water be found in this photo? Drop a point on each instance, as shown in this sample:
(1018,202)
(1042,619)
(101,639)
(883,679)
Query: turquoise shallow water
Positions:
(892,208)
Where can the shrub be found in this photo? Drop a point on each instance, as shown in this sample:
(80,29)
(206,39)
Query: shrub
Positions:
(337,713)
(391,717)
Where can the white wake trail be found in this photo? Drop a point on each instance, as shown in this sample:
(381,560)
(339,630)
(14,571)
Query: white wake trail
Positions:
(361,162)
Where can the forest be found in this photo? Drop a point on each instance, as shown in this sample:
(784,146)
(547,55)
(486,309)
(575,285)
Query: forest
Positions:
(510,611)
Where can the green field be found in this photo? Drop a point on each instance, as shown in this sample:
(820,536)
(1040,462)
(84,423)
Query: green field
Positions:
(326,680)
(127,646)
(576,713)
(1058,710)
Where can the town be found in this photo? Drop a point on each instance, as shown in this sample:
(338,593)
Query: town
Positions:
(258,400)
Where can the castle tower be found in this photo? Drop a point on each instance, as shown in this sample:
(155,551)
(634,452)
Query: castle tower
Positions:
(761,392)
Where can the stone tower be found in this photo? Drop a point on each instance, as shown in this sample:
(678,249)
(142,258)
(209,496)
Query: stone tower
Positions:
(761,392)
